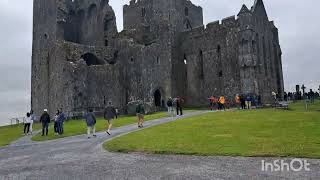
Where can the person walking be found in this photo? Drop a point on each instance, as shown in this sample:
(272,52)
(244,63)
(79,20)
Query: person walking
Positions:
(55,123)
(45,120)
(179,102)
(109,114)
(27,124)
(170,106)
(61,119)
(91,124)
(140,114)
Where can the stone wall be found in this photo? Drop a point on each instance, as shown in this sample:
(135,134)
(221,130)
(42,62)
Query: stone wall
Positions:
(80,61)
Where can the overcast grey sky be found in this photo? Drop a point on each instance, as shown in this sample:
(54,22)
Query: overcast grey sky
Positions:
(297,21)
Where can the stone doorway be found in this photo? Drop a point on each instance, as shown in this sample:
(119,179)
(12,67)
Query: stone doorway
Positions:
(157,98)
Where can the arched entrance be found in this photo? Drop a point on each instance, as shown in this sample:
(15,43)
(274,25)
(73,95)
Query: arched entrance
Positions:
(157,98)
(91,59)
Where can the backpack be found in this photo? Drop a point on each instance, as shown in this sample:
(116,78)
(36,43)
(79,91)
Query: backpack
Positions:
(169,103)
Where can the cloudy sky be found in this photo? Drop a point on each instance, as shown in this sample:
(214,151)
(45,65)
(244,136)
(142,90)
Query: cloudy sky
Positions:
(297,22)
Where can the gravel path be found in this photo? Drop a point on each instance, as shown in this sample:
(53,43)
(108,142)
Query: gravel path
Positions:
(80,158)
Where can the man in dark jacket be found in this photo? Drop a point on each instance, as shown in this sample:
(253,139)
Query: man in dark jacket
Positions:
(91,123)
(45,120)
(109,114)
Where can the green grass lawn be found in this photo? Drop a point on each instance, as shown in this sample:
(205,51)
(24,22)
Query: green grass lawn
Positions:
(265,132)
(78,127)
(11,133)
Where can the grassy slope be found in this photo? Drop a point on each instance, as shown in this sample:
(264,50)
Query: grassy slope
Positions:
(266,132)
(9,134)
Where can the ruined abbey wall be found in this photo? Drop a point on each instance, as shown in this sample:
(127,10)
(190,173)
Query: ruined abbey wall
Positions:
(80,61)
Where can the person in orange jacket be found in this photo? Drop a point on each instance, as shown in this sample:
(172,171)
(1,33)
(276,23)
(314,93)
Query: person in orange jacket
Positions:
(222,102)
(238,101)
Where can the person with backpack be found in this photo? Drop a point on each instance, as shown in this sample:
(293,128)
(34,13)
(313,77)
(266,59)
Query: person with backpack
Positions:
(109,114)
(27,124)
(170,106)
(91,124)
(140,114)
(45,120)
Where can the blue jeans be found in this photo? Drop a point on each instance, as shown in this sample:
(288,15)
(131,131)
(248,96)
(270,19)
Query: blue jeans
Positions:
(45,127)
(60,127)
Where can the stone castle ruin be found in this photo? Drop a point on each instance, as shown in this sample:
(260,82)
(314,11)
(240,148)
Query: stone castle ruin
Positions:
(80,60)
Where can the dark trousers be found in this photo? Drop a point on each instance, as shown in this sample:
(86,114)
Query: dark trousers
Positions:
(179,109)
(60,127)
(55,127)
(26,127)
(45,127)
(243,105)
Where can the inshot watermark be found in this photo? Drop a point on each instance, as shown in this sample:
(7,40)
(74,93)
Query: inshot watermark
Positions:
(294,165)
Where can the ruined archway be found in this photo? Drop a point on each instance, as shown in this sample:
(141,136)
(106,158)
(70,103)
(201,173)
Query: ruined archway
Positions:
(91,59)
(157,98)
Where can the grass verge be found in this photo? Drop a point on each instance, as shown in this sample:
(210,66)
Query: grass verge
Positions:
(265,132)
(11,133)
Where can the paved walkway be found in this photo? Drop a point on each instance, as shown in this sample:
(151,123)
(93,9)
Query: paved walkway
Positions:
(81,158)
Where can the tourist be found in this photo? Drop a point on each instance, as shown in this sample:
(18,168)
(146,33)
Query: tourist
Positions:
(170,106)
(109,114)
(91,123)
(55,124)
(61,119)
(33,120)
(27,124)
(312,96)
(179,102)
(222,102)
(45,120)
(243,102)
(140,114)
(259,104)
(212,100)
(248,101)
(238,101)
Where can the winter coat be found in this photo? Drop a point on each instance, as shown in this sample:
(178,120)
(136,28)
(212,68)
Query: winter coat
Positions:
(28,120)
(90,119)
(61,117)
(45,118)
(140,109)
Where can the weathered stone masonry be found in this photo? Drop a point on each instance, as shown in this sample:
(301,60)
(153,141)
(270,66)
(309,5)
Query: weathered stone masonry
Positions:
(80,60)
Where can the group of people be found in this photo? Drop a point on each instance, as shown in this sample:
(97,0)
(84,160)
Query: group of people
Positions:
(110,113)
(58,120)
(177,103)
(240,101)
(217,102)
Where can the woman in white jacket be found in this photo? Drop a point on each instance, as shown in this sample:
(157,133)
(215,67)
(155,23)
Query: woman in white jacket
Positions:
(27,124)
